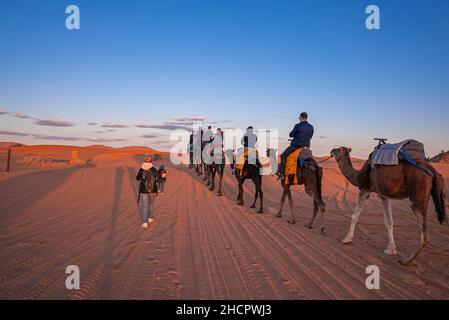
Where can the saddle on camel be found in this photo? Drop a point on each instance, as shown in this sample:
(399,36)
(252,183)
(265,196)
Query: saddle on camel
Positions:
(301,157)
(301,168)
(410,151)
(246,166)
(244,157)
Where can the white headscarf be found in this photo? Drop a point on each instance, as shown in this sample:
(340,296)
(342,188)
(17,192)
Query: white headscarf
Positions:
(147,166)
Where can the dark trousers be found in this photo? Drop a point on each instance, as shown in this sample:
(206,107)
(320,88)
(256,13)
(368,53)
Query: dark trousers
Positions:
(284,156)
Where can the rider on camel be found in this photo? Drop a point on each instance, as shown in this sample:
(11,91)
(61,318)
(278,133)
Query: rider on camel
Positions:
(302,133)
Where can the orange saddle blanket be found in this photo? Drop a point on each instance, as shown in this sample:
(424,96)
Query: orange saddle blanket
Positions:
(243,156)
(291,167)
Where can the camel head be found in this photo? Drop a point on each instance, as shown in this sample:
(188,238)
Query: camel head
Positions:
(340,153)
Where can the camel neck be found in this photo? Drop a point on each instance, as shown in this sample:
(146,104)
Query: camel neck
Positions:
(348,170)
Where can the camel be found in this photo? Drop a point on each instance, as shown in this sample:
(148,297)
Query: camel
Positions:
(395,182)
(196,154)
(211,170)
(311,176)
(249,171)
(198,169)
(212,166)
(215,168)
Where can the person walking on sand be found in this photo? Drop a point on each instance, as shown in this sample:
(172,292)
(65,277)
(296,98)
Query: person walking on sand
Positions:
(147,177)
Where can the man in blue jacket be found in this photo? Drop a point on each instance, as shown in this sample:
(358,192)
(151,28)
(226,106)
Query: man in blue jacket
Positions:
(302,133)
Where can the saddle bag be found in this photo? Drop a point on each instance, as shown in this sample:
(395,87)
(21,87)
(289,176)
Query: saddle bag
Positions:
(414,149)
(305,153)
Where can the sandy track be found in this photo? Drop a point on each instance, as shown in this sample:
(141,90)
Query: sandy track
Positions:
(201,246)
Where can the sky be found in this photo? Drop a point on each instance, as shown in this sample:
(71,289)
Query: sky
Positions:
(138,69)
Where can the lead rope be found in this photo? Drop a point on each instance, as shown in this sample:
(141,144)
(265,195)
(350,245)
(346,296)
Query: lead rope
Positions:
(303,162)
(414,163)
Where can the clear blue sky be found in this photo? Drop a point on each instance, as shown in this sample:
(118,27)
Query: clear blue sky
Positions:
(233,62)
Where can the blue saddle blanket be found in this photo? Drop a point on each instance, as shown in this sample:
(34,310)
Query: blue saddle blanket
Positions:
(387,154)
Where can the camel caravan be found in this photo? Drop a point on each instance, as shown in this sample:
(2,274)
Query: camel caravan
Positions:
(392,171)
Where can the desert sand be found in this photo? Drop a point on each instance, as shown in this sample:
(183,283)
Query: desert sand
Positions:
(201,246)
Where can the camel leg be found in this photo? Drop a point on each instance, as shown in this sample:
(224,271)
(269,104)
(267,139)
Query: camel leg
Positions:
(322,207)
(318,205)
(363,196)
(315,212)
(388,220)
(258,186)
(220,180)
(198,169)
(256,192)
(240,197)
(212,187)
(206,169)
(261,199)
(292,219)
(207,176)
(256,195)
(284,194)
(424,236)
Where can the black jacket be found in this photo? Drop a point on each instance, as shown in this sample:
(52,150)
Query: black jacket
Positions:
(160,172)
(142,186)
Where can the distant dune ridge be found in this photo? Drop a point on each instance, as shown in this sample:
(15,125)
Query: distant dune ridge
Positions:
(6,144)
(26,157)
(442,157)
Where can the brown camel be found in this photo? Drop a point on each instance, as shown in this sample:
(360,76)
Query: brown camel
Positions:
(395,182)
(211,170)
(213,165)
(249,172)
(311,176)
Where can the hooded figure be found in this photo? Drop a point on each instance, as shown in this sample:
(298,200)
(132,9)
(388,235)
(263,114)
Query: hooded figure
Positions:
(249,139)
(208,135)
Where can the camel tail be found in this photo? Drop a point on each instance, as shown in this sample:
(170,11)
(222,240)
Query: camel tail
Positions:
(439,195)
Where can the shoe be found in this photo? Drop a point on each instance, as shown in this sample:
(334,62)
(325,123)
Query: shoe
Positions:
(150,220)
(145,225)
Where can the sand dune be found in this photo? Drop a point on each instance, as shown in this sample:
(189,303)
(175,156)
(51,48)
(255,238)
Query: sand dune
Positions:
(201,246)
(58,156)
